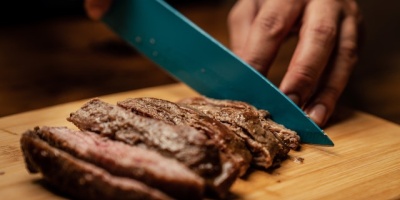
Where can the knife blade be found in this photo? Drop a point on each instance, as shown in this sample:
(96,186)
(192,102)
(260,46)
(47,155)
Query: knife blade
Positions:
(192,56)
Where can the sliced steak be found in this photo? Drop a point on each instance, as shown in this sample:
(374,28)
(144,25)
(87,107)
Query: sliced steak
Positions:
(186,144)
(265,138)
(79,178)
(147,148)
(233,147)
(157,171)
(287,136)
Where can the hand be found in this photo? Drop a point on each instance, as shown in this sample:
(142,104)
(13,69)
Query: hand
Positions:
(325,53)
(95,9)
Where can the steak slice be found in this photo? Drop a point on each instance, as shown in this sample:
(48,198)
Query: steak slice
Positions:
(233,147)
(79,178)
(151,168)
(184,143)
(265,138)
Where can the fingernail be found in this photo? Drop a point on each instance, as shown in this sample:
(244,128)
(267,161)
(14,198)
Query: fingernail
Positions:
(317,113)
(295,98)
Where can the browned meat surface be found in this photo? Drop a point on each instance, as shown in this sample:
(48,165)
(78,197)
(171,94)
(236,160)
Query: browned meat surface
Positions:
(263,137)
(233,147)
(79,178)
(151,168)
(184,143)
(148,148)
(287,136)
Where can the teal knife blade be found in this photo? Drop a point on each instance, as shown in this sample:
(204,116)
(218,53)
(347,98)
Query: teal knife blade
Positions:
(192,56)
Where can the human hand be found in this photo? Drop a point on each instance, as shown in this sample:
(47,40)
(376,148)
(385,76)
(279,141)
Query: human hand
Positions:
(95,9)
(325,53)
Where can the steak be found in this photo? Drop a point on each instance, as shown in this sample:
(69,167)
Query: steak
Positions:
(265,138)
(77,177)
(232,146)
(184,143)
(148,148)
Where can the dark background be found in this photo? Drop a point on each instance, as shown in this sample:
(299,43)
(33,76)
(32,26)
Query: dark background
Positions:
(51,53)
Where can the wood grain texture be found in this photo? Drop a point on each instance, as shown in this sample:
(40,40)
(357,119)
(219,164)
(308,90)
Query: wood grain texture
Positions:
(364,164)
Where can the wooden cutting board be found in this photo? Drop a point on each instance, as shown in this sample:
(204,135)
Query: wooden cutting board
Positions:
(364,164)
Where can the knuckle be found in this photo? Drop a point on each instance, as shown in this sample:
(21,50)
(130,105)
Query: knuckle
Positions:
(331,93)
(324,33)
(348,51)
(354,8)
(236,13)
(233,17)
(325,29)
(306,76)
(273,25)
(256,62)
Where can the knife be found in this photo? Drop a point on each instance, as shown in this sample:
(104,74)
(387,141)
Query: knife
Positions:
(192,56)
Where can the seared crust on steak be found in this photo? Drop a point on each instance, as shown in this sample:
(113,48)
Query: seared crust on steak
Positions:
(148,148)
(263,137)
(184,143)
(233,147)
(234,155)
(151,168)
(79,178)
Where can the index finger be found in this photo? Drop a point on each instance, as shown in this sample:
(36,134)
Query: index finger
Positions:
(316,42)
(270,27)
